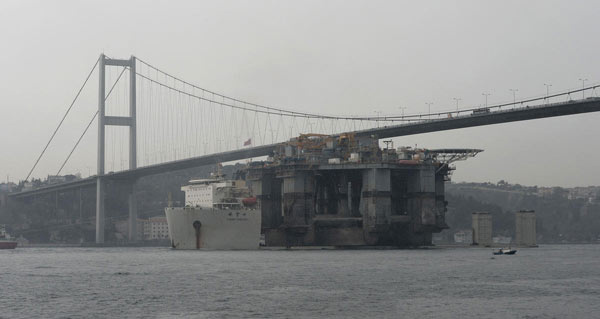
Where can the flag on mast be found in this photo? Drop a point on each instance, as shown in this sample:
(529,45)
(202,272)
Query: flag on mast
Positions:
(248,142)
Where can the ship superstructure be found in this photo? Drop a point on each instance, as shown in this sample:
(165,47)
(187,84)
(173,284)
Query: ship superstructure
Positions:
(215,192)
(6,241)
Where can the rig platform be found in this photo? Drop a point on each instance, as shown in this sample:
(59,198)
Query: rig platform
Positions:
(322,190)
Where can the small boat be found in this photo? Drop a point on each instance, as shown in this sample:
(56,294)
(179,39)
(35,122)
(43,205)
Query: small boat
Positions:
(505,251)
(6,242)
(508,251)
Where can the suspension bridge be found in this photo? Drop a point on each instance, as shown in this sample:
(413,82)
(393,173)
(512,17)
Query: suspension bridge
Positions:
(171,124)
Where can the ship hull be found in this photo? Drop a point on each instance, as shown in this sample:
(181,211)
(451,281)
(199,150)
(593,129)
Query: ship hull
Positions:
(8,244)
(213,229)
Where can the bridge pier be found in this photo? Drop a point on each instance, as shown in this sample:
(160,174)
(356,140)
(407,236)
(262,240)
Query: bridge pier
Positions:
(132,235)
(100,210)
(100,169)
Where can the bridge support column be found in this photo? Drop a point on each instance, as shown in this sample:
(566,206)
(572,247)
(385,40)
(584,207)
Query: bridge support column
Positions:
(132,214)
(99,210)
(100,181)
(103,121)
(132,150)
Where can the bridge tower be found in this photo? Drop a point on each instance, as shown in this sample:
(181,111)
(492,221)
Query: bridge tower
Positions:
(104,120)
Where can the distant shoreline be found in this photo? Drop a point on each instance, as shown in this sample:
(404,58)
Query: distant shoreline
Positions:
(161,245)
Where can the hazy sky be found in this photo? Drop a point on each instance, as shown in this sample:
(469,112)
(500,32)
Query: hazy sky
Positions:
(339,57)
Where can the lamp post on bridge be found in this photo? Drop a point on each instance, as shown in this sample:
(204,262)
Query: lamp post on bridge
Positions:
(486,98)
(377,118)
(456,99)
(583,87)
(402,108)
(514,92)
(429,109)
(547,92)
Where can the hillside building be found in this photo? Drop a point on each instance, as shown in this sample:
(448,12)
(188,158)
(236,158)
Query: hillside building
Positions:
(525,228)
(482,229)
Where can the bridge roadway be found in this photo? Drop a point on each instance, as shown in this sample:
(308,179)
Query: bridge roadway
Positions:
(448,123)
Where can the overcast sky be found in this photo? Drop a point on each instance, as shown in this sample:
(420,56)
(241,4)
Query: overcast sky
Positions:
(337,57)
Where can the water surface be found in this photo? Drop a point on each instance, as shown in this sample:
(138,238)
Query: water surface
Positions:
(548,282)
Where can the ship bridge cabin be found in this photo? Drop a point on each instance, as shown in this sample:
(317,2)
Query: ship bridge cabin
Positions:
(215,193)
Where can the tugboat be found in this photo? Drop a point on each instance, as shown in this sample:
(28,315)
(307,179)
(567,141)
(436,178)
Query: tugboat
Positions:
(6,242)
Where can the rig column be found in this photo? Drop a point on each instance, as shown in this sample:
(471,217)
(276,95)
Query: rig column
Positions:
(376,203)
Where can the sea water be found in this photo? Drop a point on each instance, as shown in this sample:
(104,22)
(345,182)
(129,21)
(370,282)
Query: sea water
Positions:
(554,281)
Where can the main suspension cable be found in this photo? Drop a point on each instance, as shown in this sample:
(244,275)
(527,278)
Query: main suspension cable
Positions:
(389,118)
(271,111)
(224,96)
(63,119)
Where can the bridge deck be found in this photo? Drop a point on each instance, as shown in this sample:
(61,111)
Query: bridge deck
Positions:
(503,116)
(496,117)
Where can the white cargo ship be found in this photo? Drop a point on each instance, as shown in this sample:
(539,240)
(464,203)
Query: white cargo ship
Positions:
(219,214)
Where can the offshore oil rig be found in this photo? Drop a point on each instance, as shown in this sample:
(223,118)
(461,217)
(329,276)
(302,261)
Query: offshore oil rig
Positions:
(344,190)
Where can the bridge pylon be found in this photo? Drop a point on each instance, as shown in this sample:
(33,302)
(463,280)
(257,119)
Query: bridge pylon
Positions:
(103,121)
